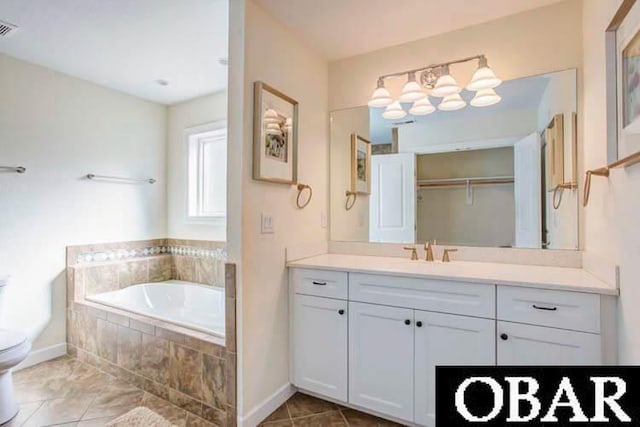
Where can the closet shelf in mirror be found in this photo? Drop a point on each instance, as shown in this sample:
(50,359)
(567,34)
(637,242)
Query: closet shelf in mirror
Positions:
(451,182)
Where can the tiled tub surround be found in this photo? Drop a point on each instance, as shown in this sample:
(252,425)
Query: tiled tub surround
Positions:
(190,369)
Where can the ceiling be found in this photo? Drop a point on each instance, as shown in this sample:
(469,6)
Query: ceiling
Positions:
(343,28)
(125,45)
(518,94)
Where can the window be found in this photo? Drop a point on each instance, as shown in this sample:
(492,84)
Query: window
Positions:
(207,173)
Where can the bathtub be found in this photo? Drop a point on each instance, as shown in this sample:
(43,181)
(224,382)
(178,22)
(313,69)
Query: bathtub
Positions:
(182,303)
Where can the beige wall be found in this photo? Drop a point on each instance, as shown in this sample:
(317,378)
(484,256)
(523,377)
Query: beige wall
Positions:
(611,219)
(353,224)
(443,213)
(61,128)
(302,75)
(534,42)
(198,111)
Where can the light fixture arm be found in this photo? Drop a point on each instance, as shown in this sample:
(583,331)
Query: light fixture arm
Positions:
(481,58)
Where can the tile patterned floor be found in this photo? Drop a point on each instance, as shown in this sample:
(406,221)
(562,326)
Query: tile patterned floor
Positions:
(306,411)
(66,392)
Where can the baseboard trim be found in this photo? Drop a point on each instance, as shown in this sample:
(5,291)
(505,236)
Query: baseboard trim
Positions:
(42,355)
(267,406)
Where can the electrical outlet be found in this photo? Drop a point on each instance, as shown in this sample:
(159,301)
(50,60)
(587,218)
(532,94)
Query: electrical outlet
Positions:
(323,220)
(266,224)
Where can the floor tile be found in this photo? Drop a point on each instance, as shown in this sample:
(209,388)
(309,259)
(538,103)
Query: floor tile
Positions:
(60,411)
(118,398)
(193,421)
(360,419)
(281,423)
(302,405)
(36,391)
(57,368)
(328,419)
(282,413)
(26,410)
(95,422)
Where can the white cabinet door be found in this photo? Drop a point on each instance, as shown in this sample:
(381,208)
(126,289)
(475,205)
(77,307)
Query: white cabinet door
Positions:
(527,192)
(392,206)
(446,339)
(320,345)
(520,344)
(381,359)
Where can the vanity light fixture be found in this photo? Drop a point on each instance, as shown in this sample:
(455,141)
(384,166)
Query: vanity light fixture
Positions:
(485,97)
(446,84)
(422,107)
(412,91)
(452,103)
(394,111)
(484,77)
(381,96)
(436,80)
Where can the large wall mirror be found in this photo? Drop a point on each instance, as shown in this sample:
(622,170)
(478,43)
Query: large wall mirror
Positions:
(500,176)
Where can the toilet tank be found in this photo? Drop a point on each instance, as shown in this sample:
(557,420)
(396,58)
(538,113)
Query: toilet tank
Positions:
(4,281)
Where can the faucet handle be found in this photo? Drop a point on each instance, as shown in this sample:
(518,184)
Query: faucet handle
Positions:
(445,256)
(414,252)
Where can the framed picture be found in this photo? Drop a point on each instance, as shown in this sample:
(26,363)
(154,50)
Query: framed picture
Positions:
(275,135)
(623,81)
(360,164)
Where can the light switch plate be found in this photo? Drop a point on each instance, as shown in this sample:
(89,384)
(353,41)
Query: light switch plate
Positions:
(323,220)
(266,223)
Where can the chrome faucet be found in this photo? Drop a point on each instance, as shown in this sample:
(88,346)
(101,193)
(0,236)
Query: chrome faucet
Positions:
(428,250)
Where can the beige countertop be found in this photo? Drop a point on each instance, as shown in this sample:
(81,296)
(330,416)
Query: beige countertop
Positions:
(555,278)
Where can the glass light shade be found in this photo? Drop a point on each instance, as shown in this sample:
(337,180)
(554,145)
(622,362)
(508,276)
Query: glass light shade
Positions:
(452,103)
(412,91)
(380,97)
(394,111)
(485,97)
(422,107)
(483,78)
(445,86)
(270,116)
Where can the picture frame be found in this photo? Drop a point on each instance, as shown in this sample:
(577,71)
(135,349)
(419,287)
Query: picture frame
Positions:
(275,135)
(622,39)
(360,164)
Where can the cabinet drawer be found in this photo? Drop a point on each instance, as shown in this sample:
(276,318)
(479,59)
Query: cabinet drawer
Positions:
(567,310)
(443,296)
(322,283)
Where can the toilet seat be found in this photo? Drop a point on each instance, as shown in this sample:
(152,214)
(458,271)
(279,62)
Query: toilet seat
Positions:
(10,340)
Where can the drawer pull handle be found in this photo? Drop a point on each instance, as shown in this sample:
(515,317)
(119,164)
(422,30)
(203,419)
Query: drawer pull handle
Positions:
(504,337)
(319,283)
(341,312)
(537,307)
(407,322)
(419,324)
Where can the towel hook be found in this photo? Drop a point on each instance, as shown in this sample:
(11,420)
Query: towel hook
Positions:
(348,205)
(301,188)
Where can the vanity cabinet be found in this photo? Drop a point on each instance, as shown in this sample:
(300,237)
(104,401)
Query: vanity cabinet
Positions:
(381,359)
(320,340)
(373,341)
(445,339)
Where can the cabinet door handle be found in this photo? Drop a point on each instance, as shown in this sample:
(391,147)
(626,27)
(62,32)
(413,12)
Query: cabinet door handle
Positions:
(504,337)
(319,283)
(537,307)
(341,312)
(419,324)
(407,322)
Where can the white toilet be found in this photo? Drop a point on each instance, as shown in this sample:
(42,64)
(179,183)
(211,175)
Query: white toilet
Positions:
(14,347)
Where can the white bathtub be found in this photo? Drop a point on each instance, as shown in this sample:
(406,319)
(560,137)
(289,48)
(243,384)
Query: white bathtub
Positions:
(185,304)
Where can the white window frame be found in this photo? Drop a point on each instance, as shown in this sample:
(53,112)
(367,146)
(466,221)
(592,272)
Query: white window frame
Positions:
(218,127)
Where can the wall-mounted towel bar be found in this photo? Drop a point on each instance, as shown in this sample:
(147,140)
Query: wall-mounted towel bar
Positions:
(94,177)
(16,169)
(604,171)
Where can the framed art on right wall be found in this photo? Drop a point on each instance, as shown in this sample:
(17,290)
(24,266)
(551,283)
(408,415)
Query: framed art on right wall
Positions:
(623,81)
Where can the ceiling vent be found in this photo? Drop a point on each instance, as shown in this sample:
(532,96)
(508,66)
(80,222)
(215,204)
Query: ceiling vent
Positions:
(6,29)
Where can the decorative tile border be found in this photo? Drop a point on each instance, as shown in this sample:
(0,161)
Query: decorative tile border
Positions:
(219,254)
